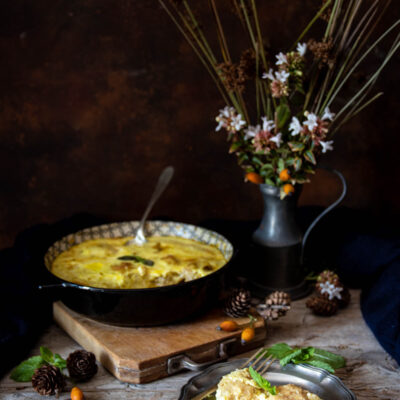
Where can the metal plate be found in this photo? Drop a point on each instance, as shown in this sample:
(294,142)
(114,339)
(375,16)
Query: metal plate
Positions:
(315,380)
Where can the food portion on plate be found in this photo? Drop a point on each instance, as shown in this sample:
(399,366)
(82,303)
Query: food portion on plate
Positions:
(246,384)
(161,261)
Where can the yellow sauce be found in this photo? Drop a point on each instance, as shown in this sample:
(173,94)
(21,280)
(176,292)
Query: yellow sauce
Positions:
(162,261)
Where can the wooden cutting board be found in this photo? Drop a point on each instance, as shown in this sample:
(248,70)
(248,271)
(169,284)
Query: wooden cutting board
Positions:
(138,355)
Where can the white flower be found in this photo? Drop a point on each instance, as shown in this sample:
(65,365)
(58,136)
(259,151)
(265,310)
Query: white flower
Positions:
(237,122)
(311,122)
(267,125)
(252,131)
(327,115)
(326,145)
(282,59)
(277,139)
(301,48)
(282,76)
(331,290)
(295,126)
(268,75)
(229,119)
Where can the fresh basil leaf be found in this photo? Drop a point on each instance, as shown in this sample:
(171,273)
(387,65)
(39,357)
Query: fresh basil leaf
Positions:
(334,360)
(59,362)
(137,259)
(46,354)
(24,371)
(321,364)
(262,382)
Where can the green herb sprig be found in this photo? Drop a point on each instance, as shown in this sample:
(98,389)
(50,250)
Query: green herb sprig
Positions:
(24,371)
(138,259)
(306,355)
(262,382)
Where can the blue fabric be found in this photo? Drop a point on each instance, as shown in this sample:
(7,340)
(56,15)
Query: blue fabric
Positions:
(375,261)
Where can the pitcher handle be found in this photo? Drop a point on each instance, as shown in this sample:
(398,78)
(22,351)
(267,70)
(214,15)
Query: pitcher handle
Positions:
(326,211)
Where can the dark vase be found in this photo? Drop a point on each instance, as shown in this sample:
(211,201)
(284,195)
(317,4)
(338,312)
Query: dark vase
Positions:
(278,244)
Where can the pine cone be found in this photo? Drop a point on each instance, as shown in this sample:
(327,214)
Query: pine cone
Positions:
(267,313)
(328,276)
(320,305)
(279,301)
(81,365)
(238,304)
(346,297)
(48,380)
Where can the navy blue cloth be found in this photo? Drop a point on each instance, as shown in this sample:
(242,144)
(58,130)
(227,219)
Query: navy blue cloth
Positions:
(364,258)
(375,262)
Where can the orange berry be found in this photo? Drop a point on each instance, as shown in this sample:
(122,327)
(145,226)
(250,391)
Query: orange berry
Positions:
(76,394)
(228,326)
(254,177)
(247,335)
(288,188)
(284,175)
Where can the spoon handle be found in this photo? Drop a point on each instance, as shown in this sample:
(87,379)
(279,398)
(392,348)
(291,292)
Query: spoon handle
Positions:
(162,183)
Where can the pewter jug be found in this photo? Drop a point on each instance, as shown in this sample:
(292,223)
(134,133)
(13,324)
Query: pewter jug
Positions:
(278,244)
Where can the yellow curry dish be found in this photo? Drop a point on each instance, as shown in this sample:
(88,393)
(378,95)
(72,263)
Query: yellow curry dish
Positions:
(239,385)
(161,261)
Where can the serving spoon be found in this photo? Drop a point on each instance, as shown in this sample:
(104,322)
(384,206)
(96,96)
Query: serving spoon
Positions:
(163,181)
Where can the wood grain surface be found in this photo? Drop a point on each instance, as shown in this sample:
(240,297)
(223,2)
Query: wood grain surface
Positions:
(371,373)
(139,355)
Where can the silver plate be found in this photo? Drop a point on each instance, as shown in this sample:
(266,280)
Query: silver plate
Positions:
(315,380)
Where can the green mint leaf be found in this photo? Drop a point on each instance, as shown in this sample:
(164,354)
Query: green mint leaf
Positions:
(334,360)
(46,354)
(278,350)
(59,362)
(262,382)
(137,259)
(24,371)
(306,354)
(291,356)
(321,364)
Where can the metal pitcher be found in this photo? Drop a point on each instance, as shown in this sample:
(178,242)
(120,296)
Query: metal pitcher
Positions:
(278,244)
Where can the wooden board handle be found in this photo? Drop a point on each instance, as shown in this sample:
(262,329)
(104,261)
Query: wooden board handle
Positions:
(181,362)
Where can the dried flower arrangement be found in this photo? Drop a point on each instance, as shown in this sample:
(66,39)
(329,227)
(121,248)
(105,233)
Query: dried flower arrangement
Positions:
(279,142)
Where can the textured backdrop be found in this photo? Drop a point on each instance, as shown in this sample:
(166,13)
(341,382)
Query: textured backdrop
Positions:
(97,96)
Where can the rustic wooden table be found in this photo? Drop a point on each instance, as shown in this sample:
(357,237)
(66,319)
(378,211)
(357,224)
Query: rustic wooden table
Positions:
(371,373)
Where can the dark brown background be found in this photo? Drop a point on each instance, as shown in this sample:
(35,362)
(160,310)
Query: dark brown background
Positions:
(98,96)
